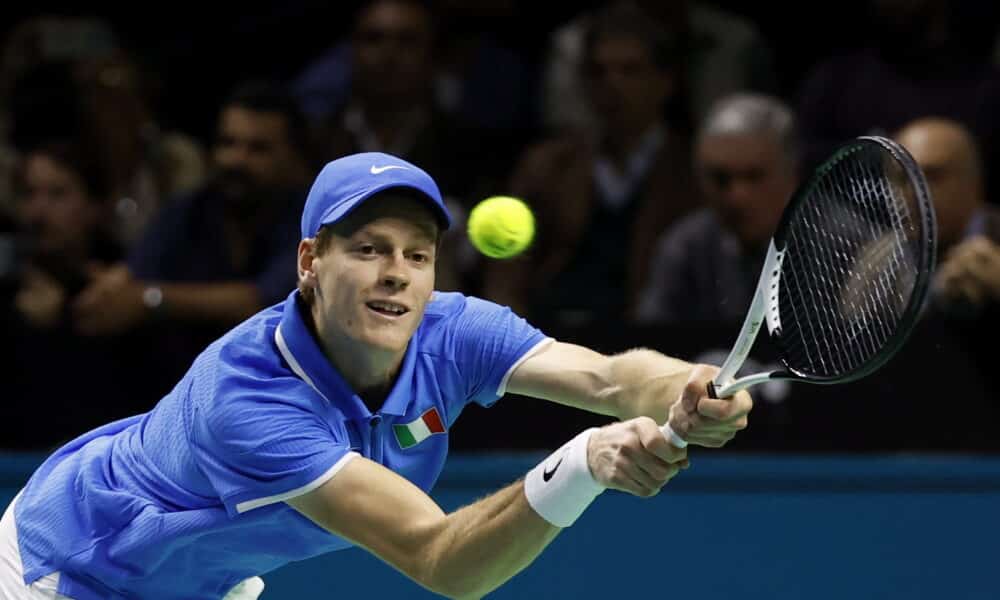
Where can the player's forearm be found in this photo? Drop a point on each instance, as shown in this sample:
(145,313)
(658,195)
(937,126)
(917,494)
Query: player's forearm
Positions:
(645,383)
(477,548)
(625,386)
(228,302)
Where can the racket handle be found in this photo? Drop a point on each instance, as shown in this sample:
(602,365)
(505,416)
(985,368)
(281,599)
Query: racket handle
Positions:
(712,391)
(672,437)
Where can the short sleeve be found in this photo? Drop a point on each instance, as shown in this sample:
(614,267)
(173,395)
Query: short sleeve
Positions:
(256,448)
(490,341)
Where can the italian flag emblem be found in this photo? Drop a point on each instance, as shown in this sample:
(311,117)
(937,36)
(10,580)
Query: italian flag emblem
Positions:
(414,432)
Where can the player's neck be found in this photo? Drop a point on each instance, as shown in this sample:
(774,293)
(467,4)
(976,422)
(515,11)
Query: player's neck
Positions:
(367,370)
(371,372)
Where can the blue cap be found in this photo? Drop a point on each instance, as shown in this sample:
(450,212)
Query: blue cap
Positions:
(345,183)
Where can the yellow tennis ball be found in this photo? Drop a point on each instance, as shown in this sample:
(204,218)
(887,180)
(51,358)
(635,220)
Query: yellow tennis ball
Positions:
(501,226)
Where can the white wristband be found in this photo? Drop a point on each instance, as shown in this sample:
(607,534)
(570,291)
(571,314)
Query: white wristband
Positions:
(561,487)
(672,437)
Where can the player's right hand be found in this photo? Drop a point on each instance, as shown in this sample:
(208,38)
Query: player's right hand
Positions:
(634,457)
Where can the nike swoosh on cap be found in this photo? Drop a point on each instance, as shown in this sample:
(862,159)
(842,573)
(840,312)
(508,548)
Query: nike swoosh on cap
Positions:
(376,170)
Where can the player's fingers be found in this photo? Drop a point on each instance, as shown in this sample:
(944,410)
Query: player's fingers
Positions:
(628,477)
(712,440)
(685,423)
(697,386)
(657,469)
(654,442)
(726,409)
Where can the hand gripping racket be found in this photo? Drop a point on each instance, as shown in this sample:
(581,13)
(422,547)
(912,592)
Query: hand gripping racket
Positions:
(846,272)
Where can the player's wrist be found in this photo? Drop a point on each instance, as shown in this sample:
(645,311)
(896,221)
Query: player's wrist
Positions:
(562,486)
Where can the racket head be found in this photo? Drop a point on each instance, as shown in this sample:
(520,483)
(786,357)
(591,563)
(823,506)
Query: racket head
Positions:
(858,243)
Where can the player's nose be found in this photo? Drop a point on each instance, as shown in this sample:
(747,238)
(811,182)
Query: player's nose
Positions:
(394,271)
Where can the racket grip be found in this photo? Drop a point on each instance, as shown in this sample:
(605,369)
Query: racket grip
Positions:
(672,437)
(712,393)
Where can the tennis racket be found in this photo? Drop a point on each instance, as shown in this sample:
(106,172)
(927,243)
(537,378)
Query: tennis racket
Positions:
(846,274)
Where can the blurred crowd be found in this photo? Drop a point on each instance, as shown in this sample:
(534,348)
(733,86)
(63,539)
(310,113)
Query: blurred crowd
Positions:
(656,141)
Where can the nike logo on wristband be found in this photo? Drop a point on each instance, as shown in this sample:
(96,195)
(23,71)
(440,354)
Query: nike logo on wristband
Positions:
(548,473)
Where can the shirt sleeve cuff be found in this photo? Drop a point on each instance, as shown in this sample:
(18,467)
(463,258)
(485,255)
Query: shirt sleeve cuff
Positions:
(252,503)
(502,388)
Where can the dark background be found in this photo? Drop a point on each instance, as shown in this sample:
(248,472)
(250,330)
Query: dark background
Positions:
(199,53)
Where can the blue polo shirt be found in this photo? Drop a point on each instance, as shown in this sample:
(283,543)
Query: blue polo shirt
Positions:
(188,500)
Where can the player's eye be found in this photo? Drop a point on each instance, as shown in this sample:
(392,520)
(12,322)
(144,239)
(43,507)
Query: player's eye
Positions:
(367,249)
(419,257)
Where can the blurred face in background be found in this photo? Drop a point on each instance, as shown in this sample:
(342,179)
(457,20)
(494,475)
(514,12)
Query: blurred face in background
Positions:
(253,155)
(747,179)
(56,209)
(946,154)
(392,52)
(627,88)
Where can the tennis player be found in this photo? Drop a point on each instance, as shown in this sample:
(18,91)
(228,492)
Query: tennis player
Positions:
(321,423)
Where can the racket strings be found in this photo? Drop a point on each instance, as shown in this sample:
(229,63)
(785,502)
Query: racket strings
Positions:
(850,268)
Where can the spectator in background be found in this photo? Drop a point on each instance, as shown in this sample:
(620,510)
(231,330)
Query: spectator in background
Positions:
(28,44)
(392,109)
(475,78)
(211,258)
(147,165)
(721,54)
(63,209)
(705,267)
(602,198)
(924,60)
(967,279)
(69,78)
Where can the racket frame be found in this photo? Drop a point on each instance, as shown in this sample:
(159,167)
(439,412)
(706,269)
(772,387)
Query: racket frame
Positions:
(765,303)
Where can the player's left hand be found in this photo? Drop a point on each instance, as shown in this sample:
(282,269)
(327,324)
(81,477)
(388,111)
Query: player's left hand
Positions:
(111,304)
(706,421)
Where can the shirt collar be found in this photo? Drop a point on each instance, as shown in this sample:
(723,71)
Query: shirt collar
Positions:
(306,359)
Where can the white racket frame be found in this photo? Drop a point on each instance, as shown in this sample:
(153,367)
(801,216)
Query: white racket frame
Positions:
(763,308)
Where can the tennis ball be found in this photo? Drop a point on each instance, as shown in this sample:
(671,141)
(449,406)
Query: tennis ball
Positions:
(501,226)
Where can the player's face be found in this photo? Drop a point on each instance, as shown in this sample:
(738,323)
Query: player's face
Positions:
(748,180)
(377,275)
(56,208)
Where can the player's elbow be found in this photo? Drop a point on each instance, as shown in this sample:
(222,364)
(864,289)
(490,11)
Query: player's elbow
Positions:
(457,588)
(448,574)
(440,578)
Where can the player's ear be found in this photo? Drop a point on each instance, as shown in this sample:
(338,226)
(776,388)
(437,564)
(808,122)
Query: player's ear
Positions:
(306,256)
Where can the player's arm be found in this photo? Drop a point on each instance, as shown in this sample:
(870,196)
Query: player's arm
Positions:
(639,382)
(462,555)
(469,552)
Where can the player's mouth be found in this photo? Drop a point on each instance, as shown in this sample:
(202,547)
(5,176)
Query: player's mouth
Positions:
(387,309)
